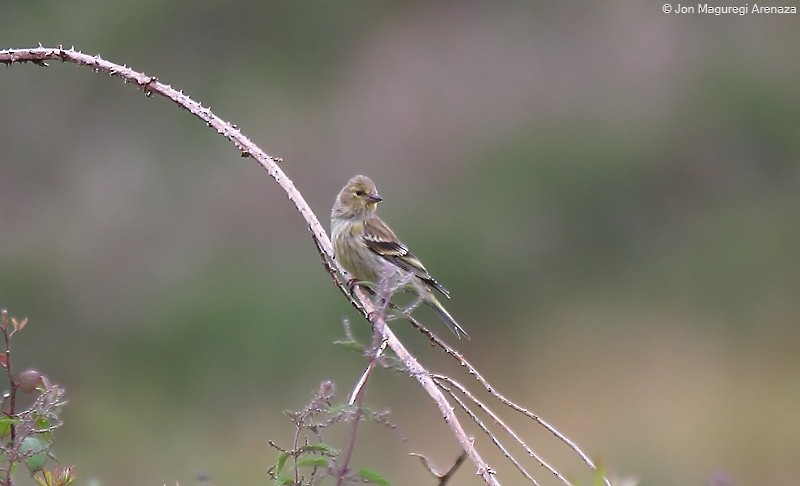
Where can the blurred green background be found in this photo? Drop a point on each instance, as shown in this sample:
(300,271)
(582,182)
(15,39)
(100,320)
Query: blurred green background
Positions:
(611,194)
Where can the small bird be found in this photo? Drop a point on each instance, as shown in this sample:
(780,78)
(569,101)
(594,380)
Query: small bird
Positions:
(366,247)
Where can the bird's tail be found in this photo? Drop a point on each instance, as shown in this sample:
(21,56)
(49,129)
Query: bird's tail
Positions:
(447,318)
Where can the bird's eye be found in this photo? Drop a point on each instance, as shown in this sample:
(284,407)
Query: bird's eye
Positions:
(359,192)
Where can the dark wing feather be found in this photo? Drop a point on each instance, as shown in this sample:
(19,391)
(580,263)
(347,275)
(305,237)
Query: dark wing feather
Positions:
(381,240)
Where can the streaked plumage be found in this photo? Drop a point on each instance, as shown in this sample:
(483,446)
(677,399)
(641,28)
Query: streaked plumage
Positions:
(366,247)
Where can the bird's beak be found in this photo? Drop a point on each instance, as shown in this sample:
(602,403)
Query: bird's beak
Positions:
(374,197)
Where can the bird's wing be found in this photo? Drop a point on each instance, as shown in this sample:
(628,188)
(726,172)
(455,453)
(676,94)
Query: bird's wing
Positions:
(381,240)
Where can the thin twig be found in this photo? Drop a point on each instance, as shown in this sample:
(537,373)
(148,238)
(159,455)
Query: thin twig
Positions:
(471,370)
(351,444)
(446,477)
(488,433)
(500,422)
(295,445)
(362,381)
(379,343)
(4,328)
(386,289)
(452,471)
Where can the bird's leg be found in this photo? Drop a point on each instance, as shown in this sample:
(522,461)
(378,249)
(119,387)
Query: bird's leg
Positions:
(367,286)
(351,284)
(354,282)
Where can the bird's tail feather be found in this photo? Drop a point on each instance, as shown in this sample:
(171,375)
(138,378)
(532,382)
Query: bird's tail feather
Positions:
(447,318)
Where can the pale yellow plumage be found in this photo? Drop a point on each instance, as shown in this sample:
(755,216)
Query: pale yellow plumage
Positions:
(367,248)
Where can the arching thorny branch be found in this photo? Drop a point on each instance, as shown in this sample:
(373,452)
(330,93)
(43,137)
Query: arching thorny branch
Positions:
(436,386)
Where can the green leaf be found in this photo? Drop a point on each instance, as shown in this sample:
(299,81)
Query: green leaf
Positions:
(373,477)
(34,450)
(599,477)
(42,423)
(321,448)
(5,425)
(281,462)
(338,409)
(351,345)
(313,462)
(284,481)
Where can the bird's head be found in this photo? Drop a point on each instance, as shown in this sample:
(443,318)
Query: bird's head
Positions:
(358,198)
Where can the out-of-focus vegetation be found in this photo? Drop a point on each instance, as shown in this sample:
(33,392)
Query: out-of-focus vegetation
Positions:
(31,409)
(610,193)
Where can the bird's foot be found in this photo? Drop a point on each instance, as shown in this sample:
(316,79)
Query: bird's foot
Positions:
(352,284)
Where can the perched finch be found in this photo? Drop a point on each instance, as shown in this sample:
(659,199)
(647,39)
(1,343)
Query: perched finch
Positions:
(369,250)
